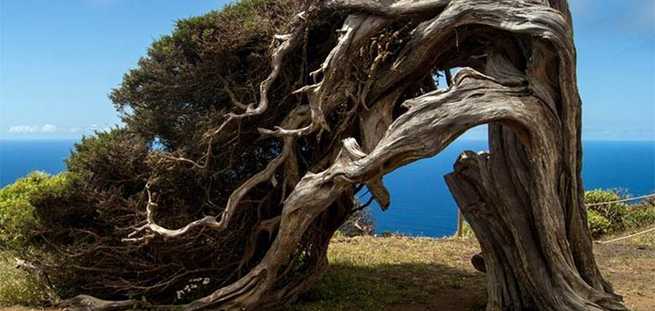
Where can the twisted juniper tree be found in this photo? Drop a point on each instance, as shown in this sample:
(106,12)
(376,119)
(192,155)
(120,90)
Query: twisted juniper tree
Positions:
(346,95)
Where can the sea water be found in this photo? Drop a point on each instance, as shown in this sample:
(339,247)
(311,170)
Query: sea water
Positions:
(420,201)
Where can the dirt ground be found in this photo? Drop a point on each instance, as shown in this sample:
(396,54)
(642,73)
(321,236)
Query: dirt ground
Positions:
(630,267)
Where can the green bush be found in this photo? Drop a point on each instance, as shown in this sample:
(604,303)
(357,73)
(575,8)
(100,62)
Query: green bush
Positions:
(605,218)
(19,226)
(18,287)
(112,159)
(641,215)
(616,217)
(17,213)
(598,224)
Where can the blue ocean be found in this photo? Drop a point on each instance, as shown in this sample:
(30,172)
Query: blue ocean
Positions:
(420,201)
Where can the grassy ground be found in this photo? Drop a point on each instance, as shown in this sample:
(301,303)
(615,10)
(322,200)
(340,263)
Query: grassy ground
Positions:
(398,273)
(402,273)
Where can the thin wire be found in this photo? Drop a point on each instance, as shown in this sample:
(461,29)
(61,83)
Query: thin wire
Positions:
(652,195)
(627,236)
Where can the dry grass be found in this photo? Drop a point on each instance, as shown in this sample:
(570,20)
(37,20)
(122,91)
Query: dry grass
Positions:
(630,266)
(398,273)
(402,273)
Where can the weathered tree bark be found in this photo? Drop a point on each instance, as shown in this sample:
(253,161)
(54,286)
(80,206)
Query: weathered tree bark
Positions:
(523,198)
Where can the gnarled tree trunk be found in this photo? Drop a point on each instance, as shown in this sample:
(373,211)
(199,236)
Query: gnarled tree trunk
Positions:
(523,198)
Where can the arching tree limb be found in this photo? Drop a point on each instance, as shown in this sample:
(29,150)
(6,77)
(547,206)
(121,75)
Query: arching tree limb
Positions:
(523,198)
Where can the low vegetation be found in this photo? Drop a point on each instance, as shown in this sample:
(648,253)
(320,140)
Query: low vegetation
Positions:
(398,273)
(611,218)
(402,273)
(366,273)
(18,287)
(18,218)
(19,223)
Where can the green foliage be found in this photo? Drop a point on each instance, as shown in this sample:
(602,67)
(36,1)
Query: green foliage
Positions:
(605,218)
(72,210)
(17,213)
(616,217)
(614,212)
(641,215)
(20,227)
(177,90)
(18,287)
(174,96)
(112,159)
(85,213)
(598,225)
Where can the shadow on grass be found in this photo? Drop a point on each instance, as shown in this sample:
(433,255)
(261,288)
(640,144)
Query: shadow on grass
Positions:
(403,286)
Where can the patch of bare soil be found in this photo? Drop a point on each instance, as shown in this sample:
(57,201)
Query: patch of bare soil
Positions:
(630,267)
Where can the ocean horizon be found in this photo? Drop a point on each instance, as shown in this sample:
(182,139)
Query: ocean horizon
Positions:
(420,201)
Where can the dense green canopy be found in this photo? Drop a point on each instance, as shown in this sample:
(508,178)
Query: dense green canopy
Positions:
(174,97)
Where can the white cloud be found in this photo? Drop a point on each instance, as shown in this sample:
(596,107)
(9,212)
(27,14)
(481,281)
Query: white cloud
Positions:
(23,129)
(48,128)
(33,129)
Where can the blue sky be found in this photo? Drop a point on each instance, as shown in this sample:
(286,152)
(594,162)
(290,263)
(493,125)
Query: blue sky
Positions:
(60,59)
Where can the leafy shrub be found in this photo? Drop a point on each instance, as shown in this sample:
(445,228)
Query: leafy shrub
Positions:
(607,218)
(176,90)
(616,217)
(112,159)
(75,222)
(598,224)
(72,211)
(641,215)
(17,212)
(20,226)
(18,287)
